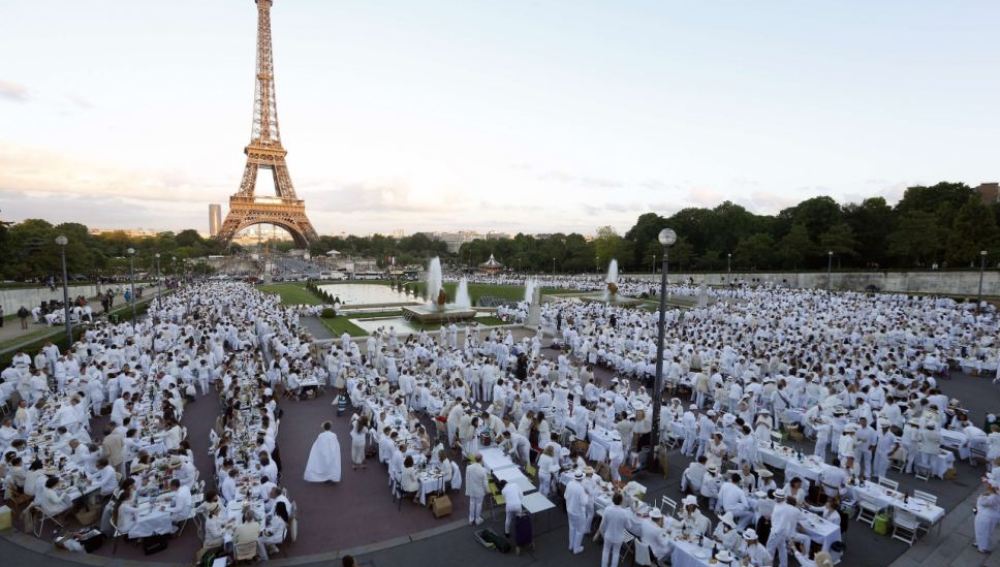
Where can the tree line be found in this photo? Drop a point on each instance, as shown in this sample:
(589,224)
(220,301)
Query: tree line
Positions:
(945,225)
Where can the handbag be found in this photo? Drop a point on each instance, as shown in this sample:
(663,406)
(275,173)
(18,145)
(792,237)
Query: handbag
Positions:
(441,506)
(881,524)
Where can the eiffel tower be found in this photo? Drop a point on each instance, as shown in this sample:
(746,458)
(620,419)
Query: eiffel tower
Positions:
(266,152)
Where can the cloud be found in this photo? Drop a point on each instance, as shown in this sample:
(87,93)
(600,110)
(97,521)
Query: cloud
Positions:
(13,91)
(380,197)
(31,170)
(584,181)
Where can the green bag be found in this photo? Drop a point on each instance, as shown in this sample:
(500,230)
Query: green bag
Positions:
(881,526)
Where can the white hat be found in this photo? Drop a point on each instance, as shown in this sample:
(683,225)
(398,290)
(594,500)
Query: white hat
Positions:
(578,475)
(749,534)
(656,513)
(692,407)
(779,494)
(728,519)
(690,500)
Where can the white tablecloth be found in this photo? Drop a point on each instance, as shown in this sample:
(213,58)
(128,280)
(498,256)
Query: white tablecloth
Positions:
(151,522)
(429,484)
(927,513)
(686,554)
(495,459)
(600,443)
(514,475)
(819,530)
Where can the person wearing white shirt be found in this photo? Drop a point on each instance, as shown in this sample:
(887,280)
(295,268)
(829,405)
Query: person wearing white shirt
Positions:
(182,505)
(512,496)
(228,488)
(476,482)
(693,476)
(106,477)
(734,500)
(656,537)
(784,527)
(576,508)
(614,523)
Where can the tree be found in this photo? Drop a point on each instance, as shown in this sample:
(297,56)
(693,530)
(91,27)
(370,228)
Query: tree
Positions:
(839,239)
(755,251)
(871,221)
(795,247)
(973,229)
(608,245)
(916,239)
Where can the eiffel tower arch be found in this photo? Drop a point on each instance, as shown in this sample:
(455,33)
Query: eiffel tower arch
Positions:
(265,152)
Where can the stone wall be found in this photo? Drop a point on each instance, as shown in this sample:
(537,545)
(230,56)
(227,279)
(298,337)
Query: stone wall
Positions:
(13,299)
(949,283)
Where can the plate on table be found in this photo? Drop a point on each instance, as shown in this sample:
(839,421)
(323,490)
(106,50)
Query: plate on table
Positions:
(702,553)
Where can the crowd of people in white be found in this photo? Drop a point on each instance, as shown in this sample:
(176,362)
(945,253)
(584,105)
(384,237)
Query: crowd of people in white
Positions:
(133,382)
(744,378)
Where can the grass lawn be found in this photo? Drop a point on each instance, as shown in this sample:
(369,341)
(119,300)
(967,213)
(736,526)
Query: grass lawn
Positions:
(292,293)
(338,325)
(509,292)
(32,334)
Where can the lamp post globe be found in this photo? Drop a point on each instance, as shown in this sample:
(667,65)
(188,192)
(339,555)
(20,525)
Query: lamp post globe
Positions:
(62,240)
(667,237)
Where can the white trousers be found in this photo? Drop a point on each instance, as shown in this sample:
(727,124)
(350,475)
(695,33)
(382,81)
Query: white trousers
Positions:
(475,508)
(985,523)
(610,552)
(577,528)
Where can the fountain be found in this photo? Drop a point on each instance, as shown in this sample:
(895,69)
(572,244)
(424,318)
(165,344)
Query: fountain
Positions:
(462,294)
(611,287)
(437,309)
(529,289)
(610,292)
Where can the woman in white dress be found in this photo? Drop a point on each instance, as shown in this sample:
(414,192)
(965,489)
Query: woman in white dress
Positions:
(359,441)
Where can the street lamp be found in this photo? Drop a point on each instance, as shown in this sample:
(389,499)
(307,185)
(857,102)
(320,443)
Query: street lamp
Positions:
(729,265)
(829,270)
(982,268)
(553,267)
(131,279)
(667,238)
(62,241)
(159,302)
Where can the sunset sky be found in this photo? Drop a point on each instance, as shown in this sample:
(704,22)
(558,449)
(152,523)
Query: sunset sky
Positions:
(512,115)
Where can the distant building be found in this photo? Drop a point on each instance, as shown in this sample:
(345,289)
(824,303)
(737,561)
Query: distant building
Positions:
(989,192)
(455,240)
(129,232)
(214,219)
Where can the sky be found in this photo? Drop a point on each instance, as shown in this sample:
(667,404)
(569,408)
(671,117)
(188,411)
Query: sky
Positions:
(507,115)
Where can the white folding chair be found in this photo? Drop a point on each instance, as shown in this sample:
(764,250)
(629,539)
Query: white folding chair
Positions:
(905,526)
(628,547)
(925,496)
(867,510)
(888,483)
(922,472)
(668,506)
